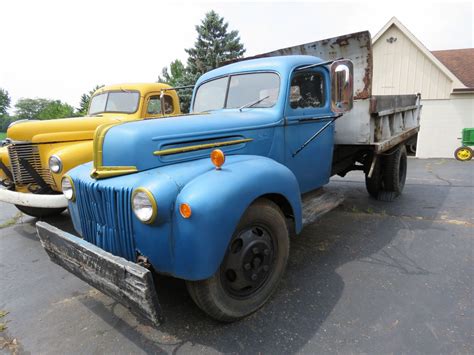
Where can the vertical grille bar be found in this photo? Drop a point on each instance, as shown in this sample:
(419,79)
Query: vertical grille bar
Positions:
(30,153)
(105,214)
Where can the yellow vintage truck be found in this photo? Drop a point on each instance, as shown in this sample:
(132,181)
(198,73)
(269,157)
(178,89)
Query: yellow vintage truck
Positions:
(36,154)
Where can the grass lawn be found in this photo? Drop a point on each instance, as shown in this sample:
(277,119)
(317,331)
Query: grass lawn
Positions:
(2,135)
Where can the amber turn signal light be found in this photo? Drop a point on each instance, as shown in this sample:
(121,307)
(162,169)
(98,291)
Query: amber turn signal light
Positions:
(217,158)
(185,210)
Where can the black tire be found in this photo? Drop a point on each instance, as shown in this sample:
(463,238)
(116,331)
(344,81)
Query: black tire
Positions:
(395,170)
(374,183)
(463,153)
(40,212)
(389,175)
(252,267)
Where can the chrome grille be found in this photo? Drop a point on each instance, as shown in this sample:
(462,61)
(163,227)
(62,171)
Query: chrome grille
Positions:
(30,153)
(106,217)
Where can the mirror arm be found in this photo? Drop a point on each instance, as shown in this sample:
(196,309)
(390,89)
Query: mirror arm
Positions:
(162,102)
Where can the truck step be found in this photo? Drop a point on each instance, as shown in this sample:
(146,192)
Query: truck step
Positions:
(319,202)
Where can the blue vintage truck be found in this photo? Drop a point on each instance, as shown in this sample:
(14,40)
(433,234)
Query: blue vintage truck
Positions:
(214,197)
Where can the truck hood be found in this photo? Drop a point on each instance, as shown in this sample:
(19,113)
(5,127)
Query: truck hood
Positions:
(149,144)
(60,130)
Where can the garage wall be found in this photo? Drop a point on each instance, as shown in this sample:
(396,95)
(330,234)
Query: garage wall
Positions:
(441,125)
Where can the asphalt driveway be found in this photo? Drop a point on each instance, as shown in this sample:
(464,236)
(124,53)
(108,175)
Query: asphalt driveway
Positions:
(369,277)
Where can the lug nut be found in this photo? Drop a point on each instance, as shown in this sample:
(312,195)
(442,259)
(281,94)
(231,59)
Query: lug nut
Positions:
(266,251)
(255,250)
(254,277)
(247,266)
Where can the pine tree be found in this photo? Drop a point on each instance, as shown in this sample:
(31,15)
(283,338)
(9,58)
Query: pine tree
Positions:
(214,45)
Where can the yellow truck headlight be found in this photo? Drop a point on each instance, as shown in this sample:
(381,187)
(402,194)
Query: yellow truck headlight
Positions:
(68,188)
(55,164)
(144,205)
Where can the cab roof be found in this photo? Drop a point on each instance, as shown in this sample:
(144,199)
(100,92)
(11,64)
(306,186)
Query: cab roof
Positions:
(141,87)
(280,64)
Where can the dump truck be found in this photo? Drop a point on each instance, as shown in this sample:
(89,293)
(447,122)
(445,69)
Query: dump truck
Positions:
(37,153)
(214,197)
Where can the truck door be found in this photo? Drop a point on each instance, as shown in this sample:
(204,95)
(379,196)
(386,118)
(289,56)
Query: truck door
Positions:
(307,111)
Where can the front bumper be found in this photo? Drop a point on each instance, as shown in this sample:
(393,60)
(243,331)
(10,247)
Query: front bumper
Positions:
(126,282)
(33,200)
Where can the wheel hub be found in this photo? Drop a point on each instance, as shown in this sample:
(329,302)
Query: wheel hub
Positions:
(248,262)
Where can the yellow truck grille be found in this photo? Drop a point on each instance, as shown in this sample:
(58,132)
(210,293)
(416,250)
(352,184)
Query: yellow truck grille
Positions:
(23,155)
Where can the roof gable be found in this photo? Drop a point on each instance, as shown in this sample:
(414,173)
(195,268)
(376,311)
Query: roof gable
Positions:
(395,22)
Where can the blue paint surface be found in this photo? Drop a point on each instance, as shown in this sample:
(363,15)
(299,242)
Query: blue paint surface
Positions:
(194,248)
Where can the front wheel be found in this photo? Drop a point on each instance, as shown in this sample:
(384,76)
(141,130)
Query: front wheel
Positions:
(252,267)
(39,212)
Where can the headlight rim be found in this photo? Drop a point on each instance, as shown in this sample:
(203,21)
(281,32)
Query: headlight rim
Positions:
(152,200)
(60,163)
(73,197)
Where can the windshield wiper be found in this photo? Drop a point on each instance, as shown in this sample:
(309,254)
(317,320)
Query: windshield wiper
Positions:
(253,103)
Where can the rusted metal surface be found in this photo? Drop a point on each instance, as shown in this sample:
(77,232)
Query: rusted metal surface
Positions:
(394,141)
(126,282)
(391,102)
(355,46)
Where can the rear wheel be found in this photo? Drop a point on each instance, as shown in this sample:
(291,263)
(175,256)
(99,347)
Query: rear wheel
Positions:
(463,153)
(40,212)
(389,175)
(252,267)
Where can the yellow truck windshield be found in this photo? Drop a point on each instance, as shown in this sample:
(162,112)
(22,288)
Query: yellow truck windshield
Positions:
(115,101)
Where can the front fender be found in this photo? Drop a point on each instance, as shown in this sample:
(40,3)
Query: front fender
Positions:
(71,154)
(218,199)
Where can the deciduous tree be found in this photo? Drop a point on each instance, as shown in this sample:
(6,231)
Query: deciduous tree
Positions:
(42,109)
(4,102)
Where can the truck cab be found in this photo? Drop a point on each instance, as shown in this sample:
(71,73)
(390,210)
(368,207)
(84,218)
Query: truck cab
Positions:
(38,153)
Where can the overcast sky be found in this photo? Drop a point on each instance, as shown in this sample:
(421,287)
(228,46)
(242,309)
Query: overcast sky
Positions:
(61,49)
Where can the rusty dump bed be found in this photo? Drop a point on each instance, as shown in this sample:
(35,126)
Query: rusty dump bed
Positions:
(377,121)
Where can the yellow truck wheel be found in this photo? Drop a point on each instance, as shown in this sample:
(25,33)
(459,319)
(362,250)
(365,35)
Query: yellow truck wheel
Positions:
(463,153)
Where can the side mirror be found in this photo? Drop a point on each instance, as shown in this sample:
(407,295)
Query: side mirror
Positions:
(342,86)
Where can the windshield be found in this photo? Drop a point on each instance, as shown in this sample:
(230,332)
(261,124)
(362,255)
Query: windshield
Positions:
(238,90)
(114,101)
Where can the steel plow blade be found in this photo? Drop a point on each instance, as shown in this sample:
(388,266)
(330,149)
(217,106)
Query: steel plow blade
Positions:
(128,283)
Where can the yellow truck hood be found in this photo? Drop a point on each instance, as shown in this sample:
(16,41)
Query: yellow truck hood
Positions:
(61,130)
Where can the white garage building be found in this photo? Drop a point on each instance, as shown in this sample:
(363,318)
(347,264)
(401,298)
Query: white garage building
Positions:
(445,79)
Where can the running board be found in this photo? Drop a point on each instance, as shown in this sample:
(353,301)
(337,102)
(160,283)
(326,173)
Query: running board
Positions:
(319,202)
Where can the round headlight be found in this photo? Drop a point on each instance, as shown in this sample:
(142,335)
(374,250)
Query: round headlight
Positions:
(144,205)
(68,188)
(55,164)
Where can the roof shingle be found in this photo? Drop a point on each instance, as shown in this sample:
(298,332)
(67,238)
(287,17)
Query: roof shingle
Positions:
(460,62)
